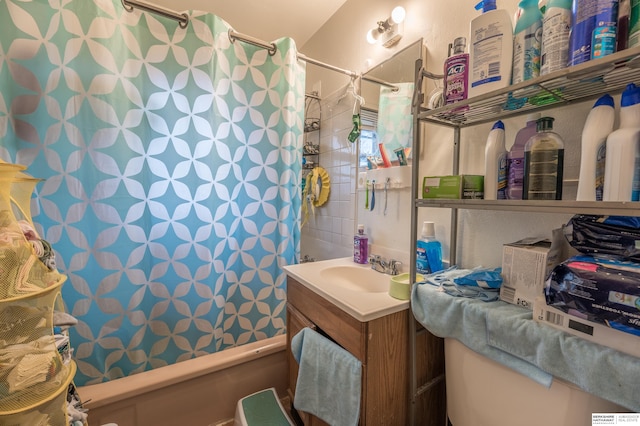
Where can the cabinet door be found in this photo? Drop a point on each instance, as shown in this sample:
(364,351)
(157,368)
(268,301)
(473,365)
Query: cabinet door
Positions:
(296,322)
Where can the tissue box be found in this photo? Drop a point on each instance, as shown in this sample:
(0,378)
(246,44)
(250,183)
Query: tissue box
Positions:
(605,290)
(453,187)
(525,266)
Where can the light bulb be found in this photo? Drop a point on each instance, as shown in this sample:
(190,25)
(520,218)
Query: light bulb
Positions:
(398,14)
(372,36)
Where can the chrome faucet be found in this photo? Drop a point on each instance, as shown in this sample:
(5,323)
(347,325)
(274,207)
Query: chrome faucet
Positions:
(380,264)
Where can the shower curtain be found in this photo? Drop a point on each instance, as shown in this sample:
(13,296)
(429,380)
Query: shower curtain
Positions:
(171,160)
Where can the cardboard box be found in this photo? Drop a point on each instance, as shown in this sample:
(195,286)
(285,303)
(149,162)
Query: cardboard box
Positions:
(585,329)
(453,187)
(525,266)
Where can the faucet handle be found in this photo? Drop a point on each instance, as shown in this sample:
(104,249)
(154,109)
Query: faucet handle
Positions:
(395,266)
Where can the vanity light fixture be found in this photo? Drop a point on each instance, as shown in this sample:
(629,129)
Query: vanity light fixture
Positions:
(389,31)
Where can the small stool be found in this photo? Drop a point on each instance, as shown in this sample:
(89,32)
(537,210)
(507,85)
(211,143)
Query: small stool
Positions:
(262,408)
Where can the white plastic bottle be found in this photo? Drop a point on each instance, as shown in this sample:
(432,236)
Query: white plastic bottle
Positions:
(428,250)
(598,126)
(491,49)
(527,39)
(556,26)
(621,181)
(495,164)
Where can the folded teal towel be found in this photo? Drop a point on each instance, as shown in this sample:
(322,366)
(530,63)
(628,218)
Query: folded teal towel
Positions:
(508,334)
(464,319)
(329,379)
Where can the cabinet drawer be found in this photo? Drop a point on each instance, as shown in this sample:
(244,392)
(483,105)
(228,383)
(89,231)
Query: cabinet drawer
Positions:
(345,330)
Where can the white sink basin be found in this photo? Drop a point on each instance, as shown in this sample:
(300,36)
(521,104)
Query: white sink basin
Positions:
(357,289)
(356,278)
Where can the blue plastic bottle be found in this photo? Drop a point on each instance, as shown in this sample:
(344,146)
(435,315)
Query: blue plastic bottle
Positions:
(428,251)
(527,39)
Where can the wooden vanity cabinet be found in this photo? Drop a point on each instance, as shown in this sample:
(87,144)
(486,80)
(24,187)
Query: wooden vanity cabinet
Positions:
(382,345)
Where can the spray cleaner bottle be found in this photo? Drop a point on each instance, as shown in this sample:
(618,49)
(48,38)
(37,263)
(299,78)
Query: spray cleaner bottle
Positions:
(527,39)
(598,126)
(495,164)
(621,180)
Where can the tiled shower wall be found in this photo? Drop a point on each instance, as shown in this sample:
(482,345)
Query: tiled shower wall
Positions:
(328,233)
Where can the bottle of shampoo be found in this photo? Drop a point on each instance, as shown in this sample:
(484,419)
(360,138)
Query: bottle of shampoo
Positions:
(515,158)
(361,246)
(456,73)
(495,164)
(621,180)
(598,126)
(556,25)
(428,251)
(543,163)
(527,38)
(491,49)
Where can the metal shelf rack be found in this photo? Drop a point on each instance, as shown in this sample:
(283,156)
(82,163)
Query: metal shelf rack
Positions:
(579,83)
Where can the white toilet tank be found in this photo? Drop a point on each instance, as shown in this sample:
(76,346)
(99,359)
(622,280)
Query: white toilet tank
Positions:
(482,392)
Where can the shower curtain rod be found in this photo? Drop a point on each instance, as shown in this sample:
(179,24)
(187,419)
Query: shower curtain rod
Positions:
(183,20)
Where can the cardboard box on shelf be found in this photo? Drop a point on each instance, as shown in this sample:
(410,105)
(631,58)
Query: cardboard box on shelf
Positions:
(453,187)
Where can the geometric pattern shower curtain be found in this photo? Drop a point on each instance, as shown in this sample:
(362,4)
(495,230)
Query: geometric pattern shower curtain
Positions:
(171,160)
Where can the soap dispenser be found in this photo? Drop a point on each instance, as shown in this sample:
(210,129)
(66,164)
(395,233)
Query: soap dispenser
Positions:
(360,246)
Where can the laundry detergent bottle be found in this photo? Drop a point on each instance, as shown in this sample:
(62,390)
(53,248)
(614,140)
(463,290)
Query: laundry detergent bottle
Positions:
(490,49)
(527,39)
(621,179)
(598,126)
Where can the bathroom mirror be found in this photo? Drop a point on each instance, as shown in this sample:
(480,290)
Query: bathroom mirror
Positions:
(386,114)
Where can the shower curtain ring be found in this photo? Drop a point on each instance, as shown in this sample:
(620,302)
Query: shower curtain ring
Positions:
(127,6)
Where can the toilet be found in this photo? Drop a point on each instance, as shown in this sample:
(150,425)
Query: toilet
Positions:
(482,392)
(262,408)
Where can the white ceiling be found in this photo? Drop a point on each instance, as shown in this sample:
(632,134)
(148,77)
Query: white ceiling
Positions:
(267,20)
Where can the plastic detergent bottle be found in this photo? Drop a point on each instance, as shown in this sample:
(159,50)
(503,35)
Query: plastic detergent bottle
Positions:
(515,158)
(491,49)
(543,163)
(621,180)
(526,42)
(556,26)
(361,246)
(456,73)
(495,164)
(598,126)
(428,250)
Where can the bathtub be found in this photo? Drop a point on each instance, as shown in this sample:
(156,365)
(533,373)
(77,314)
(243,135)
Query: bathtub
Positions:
(200,391)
